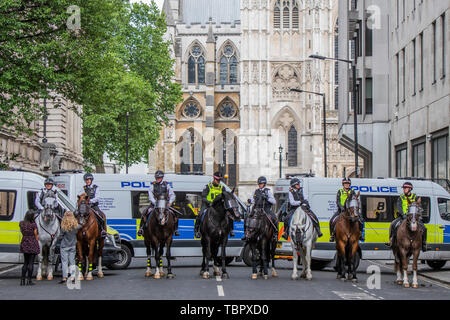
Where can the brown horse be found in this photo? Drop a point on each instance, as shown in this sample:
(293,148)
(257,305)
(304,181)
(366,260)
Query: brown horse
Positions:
(347,236)
(408,242)
(88,238)
(157,234)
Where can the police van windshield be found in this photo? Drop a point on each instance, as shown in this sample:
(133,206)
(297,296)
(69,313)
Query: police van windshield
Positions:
(65,200)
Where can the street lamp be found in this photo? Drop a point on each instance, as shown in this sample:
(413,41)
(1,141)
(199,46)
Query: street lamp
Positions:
(355,116)
(324,125)
(280,150)
(128,114)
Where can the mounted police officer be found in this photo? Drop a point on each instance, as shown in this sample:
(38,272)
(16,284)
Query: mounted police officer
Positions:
(262,198)
(93,193)
(48,190)
(402,205)
(341,197)
(159,189)
(297,199)
(209,193)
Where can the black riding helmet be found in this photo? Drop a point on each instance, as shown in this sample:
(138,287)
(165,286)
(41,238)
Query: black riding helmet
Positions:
(295,181)
(88,176)
(218,176)
(262,179)
(159,174)
(346,180)
(49,181)
(407,185)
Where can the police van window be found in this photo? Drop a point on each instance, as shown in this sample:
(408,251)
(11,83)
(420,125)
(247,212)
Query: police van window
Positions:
(31,195)
(444,208)
(376,209)
(7,204)
(140,203)
(280,198)
(188,204)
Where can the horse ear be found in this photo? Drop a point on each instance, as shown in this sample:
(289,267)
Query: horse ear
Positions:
(357,195)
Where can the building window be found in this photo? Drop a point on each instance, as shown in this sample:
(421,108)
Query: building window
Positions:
(397,71)
(418,159)
(414,66)
(434,52)
(401,165)
(290,17)
(369,41)
(444,43)
(439,157)
(191,110)
(196,66)
(228,64)
(227,110)
(404,74)
(369,96)
(292,147)
(421,61)
(191,152)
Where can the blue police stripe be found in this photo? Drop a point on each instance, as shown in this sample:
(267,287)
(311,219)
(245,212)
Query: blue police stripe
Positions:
(447,234)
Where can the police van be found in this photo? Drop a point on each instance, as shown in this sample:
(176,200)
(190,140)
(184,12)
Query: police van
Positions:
(378,199)
(17,194)
(123,198)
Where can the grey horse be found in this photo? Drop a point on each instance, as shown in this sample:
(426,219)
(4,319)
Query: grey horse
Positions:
(49,229)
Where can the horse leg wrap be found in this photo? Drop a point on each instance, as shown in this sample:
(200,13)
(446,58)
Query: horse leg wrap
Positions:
(90,267)
(148,262)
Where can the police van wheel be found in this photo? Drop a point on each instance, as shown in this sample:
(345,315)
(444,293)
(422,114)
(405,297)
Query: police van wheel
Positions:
(436,264)
(125,259)
(318,264)
(247,255)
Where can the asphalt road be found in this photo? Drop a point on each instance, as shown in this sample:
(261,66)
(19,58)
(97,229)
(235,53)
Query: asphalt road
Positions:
(131,284)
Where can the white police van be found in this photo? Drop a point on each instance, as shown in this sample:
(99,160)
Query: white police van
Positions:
(123,197)
(17,194)
(378,198)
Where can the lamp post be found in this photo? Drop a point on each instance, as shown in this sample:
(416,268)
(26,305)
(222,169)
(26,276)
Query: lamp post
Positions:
(324,125)
(355,108)
(126,141)
(280,150)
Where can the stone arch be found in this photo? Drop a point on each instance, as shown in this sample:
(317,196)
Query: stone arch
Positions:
(286,130)
(180,111)
(189,151)
(220,115)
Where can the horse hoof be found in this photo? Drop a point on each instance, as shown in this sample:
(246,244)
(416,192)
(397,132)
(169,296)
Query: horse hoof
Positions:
(342,278)
(399,282)
(354,280)
(406,285)
(162,274)
(80,278)
(274,274)
(157,276)
(216,273)
(260,274)
(170,276)
(148,274)
(89,278)
(101,275)
(294,277)
(266,277)
(254,276)
(205,275)
(38,278)
(225,276)
(415,285)
(50,278)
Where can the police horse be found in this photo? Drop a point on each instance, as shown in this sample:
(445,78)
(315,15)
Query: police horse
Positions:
(159,233)
(49,229)
(260,237)
(214,228)
(408,243)
(303,237)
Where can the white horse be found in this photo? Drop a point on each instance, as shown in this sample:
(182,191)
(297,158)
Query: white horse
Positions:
(49,230)
(303,237)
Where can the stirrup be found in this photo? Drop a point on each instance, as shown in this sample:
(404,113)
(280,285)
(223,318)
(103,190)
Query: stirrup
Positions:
(176,233)
(140,232)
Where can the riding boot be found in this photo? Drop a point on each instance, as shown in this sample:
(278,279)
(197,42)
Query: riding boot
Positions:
(141,228)
(197,227)
(176,233)
(286,231)
(424,239)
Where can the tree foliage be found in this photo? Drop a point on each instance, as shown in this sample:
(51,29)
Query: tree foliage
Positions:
(118,62)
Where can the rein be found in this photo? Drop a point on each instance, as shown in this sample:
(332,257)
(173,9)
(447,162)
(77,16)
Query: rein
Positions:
(52,236)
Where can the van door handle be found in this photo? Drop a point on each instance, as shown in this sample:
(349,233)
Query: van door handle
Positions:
(442,227)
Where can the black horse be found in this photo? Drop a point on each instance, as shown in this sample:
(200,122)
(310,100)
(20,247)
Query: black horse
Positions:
(215,227)
(157,234)
(259,234)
